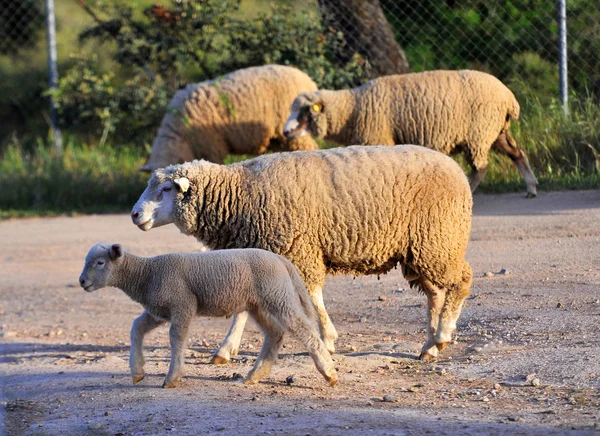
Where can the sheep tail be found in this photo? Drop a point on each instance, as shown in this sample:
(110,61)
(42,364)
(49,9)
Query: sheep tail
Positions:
(307,304)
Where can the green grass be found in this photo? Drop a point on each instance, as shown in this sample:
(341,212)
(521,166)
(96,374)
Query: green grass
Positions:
(84,179)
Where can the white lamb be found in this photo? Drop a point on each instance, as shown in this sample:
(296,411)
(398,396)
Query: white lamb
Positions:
(177,287)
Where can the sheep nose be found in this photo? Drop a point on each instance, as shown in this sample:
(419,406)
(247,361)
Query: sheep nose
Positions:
(81,280)
(134,215)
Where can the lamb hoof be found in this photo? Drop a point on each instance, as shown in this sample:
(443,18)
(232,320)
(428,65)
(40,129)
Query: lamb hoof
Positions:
(426,357)
(332,379)
(170,384)
(250,381)
(138,378)
(442,345)
(531,195)
(218,360)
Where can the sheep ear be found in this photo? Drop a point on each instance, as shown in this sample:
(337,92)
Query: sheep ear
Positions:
(145,169)
(115,251)
(183,184)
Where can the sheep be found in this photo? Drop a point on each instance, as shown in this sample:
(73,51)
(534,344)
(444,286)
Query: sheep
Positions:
(177,287)
(242,112)
(448,111)
(357,210)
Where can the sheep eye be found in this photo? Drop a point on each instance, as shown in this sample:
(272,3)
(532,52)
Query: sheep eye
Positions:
(100,263)
(167,189)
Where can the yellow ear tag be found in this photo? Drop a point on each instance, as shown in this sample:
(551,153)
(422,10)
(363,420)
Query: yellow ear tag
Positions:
(183,183)
(316,108)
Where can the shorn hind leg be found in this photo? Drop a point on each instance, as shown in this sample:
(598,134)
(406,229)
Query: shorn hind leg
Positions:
(307,334)
(435,304)
(505,144)
(452,308)
(268,354)
(231,343)
(477,176)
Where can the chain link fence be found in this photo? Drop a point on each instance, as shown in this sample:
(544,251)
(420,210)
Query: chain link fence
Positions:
(516,40)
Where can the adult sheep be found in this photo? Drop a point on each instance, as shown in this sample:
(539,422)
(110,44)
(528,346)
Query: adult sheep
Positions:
(357,210)
(242,112)
(448,111)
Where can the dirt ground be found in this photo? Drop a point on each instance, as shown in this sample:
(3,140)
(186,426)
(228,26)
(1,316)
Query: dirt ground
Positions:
(526,358)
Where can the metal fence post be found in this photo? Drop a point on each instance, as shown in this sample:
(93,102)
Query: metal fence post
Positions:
(53,72)
(562,55)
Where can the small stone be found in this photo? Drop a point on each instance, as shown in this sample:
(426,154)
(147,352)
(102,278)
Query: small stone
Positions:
(560,306)
(497,386)
(236,376)
(413,389)
(512,418)
(535,382)
(362,319)
(150,418)
(390,399)
(289,380)
(382,298)
(504,272)
(63,415)
(376,399)
(313,406)
(442,371)
(255,398)
(489,274)
(485,399)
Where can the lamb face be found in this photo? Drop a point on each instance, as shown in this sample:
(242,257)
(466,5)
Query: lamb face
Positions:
(307,117)
(155,206)
(99,265)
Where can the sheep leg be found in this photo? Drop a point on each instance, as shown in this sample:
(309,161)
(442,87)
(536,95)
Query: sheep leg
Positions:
(268,354)
(477,176)
(306,334)
(178,334)
(140,327)
(453,305)
(505,144)
(231,343)
(328,332)
(435,303)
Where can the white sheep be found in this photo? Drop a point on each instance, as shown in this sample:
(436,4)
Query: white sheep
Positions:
(357,210)
(180,286)
(242,112)
(448,111)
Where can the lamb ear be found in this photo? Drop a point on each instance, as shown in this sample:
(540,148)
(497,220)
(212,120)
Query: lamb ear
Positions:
(183,184)
(115,251)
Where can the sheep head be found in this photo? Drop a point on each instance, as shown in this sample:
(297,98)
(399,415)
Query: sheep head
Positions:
(100,263)
(155,206)
(308,117)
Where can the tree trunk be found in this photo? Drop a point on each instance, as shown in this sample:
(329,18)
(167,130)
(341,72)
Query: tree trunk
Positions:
(367,32)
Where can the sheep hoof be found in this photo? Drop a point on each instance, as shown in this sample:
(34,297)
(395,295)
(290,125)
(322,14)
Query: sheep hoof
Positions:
(170,384)
(531,195)
(426,357)
(442,345)
(218,360)
(250,381)
(138,378)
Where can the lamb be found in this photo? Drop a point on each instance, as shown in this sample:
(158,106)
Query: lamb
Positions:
(242,112)
(179,286)
(448,111)
(357,210)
